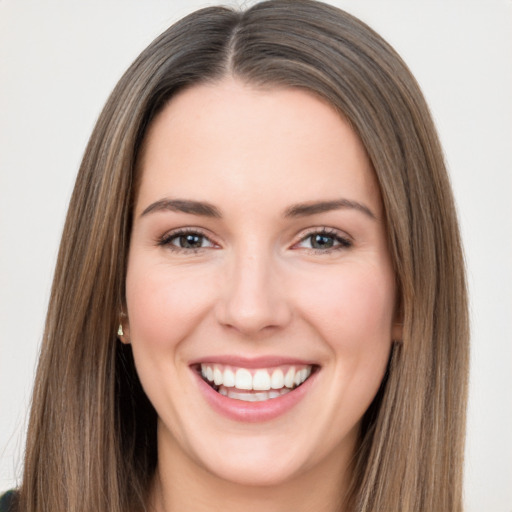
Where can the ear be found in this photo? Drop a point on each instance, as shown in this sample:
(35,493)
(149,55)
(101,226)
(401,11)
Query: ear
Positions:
(123,331)
(397,327)
(397,331)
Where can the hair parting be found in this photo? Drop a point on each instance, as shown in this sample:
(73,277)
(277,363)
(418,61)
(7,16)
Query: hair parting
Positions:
(91,441)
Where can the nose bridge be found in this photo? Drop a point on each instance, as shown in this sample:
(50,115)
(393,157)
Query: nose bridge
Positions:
(253,297)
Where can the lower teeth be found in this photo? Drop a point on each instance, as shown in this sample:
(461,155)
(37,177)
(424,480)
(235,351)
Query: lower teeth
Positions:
(259,396)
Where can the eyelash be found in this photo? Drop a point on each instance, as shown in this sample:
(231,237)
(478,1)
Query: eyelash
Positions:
(167,239)
(342,242)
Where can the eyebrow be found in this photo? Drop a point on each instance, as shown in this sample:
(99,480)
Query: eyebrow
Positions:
(183,205)
(205,209)
(313,208)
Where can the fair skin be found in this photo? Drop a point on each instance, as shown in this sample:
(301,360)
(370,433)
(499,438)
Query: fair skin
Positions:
(231,268)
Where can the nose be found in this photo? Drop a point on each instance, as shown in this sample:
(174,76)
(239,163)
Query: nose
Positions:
(253,297)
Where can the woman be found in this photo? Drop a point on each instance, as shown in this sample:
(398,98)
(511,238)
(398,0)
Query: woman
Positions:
(262,208)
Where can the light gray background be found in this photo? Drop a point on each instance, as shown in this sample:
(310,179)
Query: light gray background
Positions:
(60,59)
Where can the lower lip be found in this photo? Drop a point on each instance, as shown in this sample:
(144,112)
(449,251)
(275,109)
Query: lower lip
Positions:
(252,412)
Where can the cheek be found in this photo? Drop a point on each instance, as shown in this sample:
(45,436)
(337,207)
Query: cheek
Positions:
(352,307)
(354,316)
(165,303)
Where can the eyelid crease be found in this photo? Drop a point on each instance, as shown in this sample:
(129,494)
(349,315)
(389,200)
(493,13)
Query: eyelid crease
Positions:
(335,232)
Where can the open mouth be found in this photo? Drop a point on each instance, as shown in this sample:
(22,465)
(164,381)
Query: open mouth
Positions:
(254,385)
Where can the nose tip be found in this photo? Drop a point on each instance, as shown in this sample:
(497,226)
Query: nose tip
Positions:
(253,300)
(251,318)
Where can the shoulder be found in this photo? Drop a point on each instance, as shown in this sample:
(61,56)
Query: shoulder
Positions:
(7,501)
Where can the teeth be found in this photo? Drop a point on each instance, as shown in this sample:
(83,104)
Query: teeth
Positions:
(217,376)
(301,376)
(272,380)
(261,396)
(228,378)
(261,380)
(243,379)
(290,378)
(246,397)
(277,381)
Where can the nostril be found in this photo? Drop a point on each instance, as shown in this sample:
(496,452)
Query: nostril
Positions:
(252,317)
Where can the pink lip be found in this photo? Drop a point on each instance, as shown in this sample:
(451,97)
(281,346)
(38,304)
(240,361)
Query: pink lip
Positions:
(252,412)
(254,362)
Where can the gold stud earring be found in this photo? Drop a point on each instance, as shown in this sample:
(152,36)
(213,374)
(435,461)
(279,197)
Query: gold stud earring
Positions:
(120,330)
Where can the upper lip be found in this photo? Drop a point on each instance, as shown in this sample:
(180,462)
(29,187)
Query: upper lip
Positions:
(252,362)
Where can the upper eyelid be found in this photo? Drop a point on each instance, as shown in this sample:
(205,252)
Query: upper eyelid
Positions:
(302,235)
(324,229)
(187,229)
(345,241)
(168,235)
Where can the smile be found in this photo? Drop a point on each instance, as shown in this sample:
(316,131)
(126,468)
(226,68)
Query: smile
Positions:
(254,385)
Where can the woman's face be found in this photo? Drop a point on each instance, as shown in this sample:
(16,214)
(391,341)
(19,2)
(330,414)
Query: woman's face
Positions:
(258,258)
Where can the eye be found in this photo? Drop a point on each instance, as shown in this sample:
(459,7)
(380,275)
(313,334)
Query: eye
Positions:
(325,240)
(186,240)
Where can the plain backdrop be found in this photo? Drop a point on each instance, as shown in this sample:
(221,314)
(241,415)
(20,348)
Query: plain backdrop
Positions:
(60,59)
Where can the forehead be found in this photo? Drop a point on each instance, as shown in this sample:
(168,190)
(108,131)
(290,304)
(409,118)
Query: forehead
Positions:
(232,138)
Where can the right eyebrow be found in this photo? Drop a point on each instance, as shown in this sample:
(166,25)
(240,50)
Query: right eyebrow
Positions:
(183,205)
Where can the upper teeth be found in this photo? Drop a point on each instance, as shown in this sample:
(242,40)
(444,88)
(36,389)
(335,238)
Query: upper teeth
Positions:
(259,379)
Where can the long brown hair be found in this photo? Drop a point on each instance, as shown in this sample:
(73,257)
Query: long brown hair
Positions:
(91,441)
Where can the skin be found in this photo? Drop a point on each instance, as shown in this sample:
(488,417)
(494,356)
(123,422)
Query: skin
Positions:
(257,286)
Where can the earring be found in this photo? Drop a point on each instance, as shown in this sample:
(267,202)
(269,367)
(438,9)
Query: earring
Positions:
(120,330)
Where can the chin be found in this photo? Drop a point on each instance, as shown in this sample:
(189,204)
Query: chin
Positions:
(257,470)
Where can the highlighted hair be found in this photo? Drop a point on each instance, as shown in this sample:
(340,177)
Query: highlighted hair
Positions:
(91,442)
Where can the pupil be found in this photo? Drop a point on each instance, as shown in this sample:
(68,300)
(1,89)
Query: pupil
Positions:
(322,242)
(190,241)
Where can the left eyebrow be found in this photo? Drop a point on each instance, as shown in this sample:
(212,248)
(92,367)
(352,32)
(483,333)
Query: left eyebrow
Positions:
(312,208)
